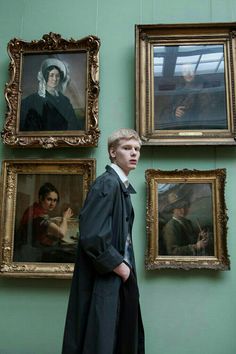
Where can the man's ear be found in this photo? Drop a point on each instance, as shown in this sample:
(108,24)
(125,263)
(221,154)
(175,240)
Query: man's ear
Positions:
(112,152)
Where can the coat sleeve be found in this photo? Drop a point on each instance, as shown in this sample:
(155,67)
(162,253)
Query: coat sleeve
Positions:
(96,232)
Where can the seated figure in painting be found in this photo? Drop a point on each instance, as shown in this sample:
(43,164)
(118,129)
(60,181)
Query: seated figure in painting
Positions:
(179,236)
(194,103)
(38,238)
(49,109)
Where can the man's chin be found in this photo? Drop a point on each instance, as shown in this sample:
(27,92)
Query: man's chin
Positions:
(132,167)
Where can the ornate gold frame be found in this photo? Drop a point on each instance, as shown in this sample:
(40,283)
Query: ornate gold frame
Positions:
(52,44)
(12,170)
(158,183)
(150,37)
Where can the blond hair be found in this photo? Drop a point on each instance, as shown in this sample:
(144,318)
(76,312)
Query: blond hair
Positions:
(123,133)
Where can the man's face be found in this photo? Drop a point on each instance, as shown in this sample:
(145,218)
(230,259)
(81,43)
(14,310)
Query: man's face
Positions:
(126,154)
(188,72)
(180,212)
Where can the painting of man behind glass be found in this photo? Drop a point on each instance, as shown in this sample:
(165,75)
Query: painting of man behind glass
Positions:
(52,100)
(189,88)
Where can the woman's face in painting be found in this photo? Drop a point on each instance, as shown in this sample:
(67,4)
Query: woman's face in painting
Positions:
(49,202)
(53,79)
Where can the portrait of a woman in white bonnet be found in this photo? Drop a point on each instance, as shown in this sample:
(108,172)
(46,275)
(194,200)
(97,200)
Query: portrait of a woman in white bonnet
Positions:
(49,109)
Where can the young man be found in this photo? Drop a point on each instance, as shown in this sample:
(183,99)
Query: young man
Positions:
(103,313)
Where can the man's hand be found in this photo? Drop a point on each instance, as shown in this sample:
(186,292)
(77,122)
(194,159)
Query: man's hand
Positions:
(203,240)
(180,111)
(123,271)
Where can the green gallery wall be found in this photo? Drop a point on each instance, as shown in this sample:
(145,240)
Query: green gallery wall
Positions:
(184,312)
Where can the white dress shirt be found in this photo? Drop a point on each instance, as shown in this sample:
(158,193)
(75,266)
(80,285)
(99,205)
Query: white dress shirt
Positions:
(128,243)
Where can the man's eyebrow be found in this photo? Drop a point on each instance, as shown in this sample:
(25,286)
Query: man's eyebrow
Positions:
(128,144)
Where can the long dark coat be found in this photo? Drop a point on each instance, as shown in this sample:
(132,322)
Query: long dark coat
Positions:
(93,304)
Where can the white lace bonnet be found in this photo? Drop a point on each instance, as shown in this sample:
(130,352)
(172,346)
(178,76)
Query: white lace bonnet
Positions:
(64,69)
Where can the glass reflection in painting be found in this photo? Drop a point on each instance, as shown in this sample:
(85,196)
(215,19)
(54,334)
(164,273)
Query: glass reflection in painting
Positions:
(189,87)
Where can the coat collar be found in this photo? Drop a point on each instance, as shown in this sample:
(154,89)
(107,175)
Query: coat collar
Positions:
(129,190)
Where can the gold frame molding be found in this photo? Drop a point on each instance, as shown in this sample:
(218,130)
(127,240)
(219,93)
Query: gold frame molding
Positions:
(174,35)
(158,215)
(52,44)
(11,171)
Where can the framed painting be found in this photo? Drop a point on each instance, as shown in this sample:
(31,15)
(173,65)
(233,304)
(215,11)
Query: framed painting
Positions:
(41,200)
(186,219)
(52,94)
(185,84)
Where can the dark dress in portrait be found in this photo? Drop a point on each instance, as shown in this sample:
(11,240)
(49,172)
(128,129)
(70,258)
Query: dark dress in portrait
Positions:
(93,311)
(49,113)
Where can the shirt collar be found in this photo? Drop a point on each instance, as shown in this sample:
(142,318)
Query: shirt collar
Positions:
(121,174)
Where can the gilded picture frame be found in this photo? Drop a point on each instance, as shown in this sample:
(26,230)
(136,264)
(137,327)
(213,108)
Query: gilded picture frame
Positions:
(185,83)
(52,93)
(40,204)
(186,220)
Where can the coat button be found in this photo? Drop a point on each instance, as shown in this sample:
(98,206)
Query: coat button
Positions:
(127,218)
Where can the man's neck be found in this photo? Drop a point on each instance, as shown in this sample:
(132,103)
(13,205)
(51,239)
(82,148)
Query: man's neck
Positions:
(120,172)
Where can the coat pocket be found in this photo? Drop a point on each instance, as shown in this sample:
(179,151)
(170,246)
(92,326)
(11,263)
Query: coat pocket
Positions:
(107,285)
